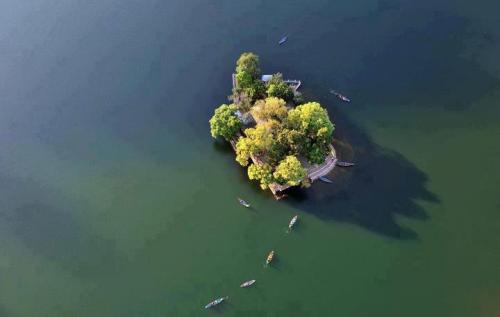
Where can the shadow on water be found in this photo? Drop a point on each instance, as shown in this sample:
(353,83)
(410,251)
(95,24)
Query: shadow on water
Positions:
(431,64)
(422,57)
(383,184)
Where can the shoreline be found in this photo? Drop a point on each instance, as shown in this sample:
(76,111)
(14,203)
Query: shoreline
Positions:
(314,172)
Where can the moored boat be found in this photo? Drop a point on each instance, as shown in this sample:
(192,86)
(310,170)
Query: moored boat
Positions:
(325,180)
(340,96)
(216,302)
(344,164)
(292,222)
(248,283)
(243,203)
(270,257)
(283,39)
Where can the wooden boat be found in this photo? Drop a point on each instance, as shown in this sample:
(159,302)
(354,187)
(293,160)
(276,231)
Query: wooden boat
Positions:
(248,283)
(292,222)
(344,164)
(283,39)
(325,180)
(216,302)
(243,203)
(270,257)
(340,96)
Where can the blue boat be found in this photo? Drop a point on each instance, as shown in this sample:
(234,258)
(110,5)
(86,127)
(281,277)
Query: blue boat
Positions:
(283,39)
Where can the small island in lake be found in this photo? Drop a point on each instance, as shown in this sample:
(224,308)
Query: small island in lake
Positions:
(283,140)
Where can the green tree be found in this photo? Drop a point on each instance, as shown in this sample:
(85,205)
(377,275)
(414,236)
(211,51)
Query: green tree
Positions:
(312,121)
(289,171)
(248,87)
(248,62)
(261,172)
(257,141)
(244,80)
(224,122)
(277,87)
(271,108)
(294,140)
(244,149)
(261,138)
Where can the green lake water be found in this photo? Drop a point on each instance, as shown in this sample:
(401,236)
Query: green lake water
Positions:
(115,201)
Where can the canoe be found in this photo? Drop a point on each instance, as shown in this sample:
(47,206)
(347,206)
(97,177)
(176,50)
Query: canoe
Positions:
(292,222)
(325,180)
(248,283)
(340,96)
(283,40)
(344,164)
(270,257)
(216,302)
(243,203)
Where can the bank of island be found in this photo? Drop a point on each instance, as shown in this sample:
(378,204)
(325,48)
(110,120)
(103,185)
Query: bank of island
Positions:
(283,140)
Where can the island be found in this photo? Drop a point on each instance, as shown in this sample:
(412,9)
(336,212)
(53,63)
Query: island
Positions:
(282,139)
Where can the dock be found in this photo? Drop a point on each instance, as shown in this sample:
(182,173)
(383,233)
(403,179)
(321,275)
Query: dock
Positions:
(294,83)
(314,172)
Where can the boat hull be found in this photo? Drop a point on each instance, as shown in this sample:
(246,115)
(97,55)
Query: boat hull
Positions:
(247,283)
(270,257)
(215,302)
(292,222)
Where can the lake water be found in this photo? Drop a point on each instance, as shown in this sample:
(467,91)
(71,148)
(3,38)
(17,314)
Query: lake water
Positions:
(115,201)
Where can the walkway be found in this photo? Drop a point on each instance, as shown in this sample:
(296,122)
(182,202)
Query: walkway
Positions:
(326,167)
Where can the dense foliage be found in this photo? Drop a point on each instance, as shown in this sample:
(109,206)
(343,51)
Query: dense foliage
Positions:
(286,131)
(224,122)
(256,142)
(261,172)
(311,121)
(269,109)
(289,171)
(249,63)
(249,86)
(276,87)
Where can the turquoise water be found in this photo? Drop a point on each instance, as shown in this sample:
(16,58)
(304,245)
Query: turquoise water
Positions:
(115,201)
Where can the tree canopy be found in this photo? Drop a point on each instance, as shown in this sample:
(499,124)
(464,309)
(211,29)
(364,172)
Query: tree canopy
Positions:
(261,172)
(277,87)
(249,86)
(287,131)
(257,141)
(289,171)
(224,122)
(271,108)
(249,63)
(312,121)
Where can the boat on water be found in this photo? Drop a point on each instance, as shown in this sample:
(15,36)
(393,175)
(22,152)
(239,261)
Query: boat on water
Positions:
(283,39)
(340,96)
(325,180)
(270,257)
(292,222)
(248,283)
(216,302)
(344,164)
(243,203)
